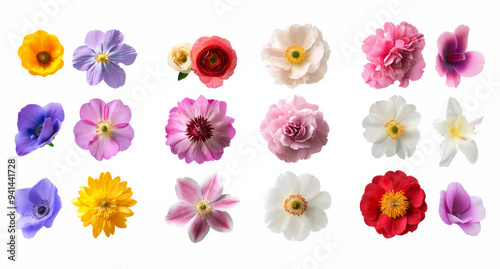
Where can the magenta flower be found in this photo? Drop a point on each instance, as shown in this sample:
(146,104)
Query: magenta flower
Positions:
(104,129)
(395,54)
(453,60)
(294,129)
(101,55)
(199,130)
(456,206)
(203,207)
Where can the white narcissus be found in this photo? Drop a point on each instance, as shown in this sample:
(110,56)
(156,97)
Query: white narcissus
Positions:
(296,206)
(296,55)
(392,128)
(458,134)
(179,57)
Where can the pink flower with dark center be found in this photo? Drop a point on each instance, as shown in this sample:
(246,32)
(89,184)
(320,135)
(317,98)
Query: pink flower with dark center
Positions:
(199,130)
(453,60)
(202,207)
(394,54)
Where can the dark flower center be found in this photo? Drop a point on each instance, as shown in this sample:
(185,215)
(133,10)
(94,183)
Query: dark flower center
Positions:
(213,62)
(295,54)
(41,209)
(199,129)
(293,129)
(43,57)
(38,129)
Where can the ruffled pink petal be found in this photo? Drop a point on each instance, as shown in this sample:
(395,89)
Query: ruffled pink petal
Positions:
(452,78)
(93,111)
(123,136)
(225,202)
(103,147)
(212,188)
(447,43)
(198,229)
(220,221)
(462,36)
(118,112)
(187,190)
(84,133)
(180,213)
(471,228)
(471,66)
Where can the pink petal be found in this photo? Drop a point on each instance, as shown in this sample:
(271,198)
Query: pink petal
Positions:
(187,190)
(198,229)
(180,213)
(225,202)
(452,78)
(103,147)
(471,66)
(84,133)
(462,36)
(212,188)
(447,42)
(93,110)
(457,199)
(476,211)
(471,228)
(118,112)
(442,208)
(441,66)
(123,136)
(220,221)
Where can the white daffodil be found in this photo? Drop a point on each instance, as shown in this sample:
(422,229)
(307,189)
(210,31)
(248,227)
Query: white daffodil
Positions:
(296,206)
(392,128)
(458,134)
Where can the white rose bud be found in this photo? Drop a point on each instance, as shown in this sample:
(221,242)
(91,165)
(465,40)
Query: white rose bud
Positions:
(179,57)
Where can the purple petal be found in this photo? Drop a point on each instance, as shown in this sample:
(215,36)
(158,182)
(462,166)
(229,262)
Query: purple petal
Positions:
(94,40)
(198,229)
(49,130)
(187,190)
(103,147)
(54,210)
(114,75)
(22,203)
(25,142)
(462,36)
(118,112)
(30,116)
(212,188)
(441,66)
(123,136)
(44,189)
(93,111)
(180,213)
(220,221)
(31,230)
(476,211)
(95,74)
(54,111)
(452,78)
(26,220)
(470,228)
(124,54)
(447,42)
(83,58)
(225,202)
(471,66)
(84,133)
(442,208)
(112,40)
(457,199)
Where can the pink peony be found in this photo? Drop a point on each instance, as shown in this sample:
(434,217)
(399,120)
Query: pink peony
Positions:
(395,53)
(199,129)
(294,129)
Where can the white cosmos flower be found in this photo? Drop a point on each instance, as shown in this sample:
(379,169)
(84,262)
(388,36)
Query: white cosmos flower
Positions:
(458,134)
(296,55)
(296,206)
(392,128)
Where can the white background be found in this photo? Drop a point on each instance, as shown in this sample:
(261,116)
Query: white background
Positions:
(344,166)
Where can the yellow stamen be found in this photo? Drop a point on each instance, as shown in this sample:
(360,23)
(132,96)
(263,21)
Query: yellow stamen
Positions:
(295,54)
(393,129)
(102,58)
(103,127)
(202,206)
(394,205)
(457,128)
(295,204)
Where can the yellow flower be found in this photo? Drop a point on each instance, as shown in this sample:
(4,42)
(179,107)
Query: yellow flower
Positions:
(41,53)
(104,204)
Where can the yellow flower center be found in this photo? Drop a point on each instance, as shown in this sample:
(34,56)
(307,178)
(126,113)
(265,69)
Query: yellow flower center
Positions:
(295,204)
(105,207)
(457,128)
(103,128)
(181,58)
(393,129)
(102,58)
(394,204)
(202,206)
(295,54)
(43,57)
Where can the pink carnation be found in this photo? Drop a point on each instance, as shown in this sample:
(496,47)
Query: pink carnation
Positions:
(395,53)
(294,129)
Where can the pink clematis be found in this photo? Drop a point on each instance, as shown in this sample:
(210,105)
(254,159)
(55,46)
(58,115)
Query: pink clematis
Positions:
(202,207)
(453,60)
(104,129)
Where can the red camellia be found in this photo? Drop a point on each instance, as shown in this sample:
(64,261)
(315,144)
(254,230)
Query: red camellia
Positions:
(213,60)
(394,204)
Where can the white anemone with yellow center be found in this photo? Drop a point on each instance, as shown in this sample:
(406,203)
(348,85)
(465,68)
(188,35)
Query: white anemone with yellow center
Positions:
(392,128)
(458,134)
(296,206)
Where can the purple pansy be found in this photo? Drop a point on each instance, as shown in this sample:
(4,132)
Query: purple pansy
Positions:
(101,55)
(203,207)
(38,207)
(453,60)
(456,206)
(37,126)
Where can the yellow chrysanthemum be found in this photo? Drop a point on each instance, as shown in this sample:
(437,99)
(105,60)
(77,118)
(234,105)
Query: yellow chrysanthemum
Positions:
(41,53)
(104,204)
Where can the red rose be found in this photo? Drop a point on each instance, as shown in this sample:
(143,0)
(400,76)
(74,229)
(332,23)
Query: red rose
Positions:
(213,60)
(394,204)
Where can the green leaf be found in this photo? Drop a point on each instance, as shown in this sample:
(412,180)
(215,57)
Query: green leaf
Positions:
(50,144)
(182,76)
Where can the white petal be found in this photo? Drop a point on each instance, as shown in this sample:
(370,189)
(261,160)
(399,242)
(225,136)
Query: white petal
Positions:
(273,198)
(476,122)
(378,150)
(375,135)
(298,70)
(277,219)
(391,146)
(281,62)
(314,56)
(397,101)
(287,184)
(317,218)
(294,35)
(442,128)
(408,116)
(454,108)
(309,186)
(383,110)
(298,229)
(409,140)
(312,35)
(277,39)
(469,148)
(323,200)
(448,150)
